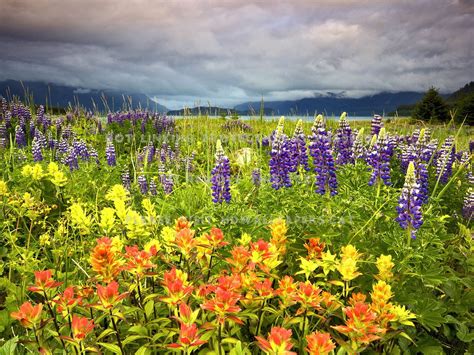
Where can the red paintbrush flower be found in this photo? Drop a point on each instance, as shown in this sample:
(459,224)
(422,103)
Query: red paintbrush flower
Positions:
(319,343)
(28,315)
(66,301)
(308,296)
(81,327)
(361,324)
(286,290)
(189,338)
(182,223)
(185,241)
(176,286)
(44,282)
(137,261)
(216,238)
(239,259)
(109,295)
(224,305)
(278,342)
(315,248)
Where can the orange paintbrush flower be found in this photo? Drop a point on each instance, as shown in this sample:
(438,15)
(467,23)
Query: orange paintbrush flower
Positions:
(66,301)
(44,282)
(224,305)
(137,261)
(286,290)
(105,260)
(361,325)
(185,241)
(176,286)
(308,296)
(81,327)
(239,259)
(189,338)
(109,295)
(319,343)
(28,315)
(216,238)
(278,342)
(182,223)
(315,248)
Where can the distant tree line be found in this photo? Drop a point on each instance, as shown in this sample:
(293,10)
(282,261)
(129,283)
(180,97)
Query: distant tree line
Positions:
(434,108)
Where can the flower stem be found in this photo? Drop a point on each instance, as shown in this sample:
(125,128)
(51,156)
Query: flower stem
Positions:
(54,318)
(116,331)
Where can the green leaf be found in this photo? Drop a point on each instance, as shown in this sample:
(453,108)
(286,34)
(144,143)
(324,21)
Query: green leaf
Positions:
(144,350)
(105,333)
(111,347)
(9,347)
(132,338)
(149,308)
(138,329)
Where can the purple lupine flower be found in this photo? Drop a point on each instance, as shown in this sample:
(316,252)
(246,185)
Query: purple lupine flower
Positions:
(422,180)
(280,161)
(379,159)
(126,179)
(153,190)
(256,177)
(93,154)
(444,163)
(150,150)
(409,204)
(166,180)
(70,159)
(81,150)
(3,135)
(20,137)
(8,119)
(343,142)
(265,141)
(36,150)
(110,153)
(297,149)
(32,128)
(359,151)
(323,160)
(142,184)
(221,176)
(468,206)
(376,124)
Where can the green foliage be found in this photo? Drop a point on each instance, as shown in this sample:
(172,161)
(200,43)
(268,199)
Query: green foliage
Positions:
(432,108)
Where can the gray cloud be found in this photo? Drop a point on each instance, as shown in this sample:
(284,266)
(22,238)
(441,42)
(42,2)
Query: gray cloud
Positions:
(230,51)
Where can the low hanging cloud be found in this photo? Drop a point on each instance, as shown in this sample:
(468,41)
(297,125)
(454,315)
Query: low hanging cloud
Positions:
(229,51)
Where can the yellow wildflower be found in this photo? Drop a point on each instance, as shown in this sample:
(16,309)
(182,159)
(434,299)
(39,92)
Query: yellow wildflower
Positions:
(307,267)
(117,193)
(348,269)
(384,265)
(349,252)
(58,178)
(44,240)
(402,315)
(117,244)
(135,225)
(3,188)
(245,239)
(328,262)
(80,219)
(153,243)
(107,219)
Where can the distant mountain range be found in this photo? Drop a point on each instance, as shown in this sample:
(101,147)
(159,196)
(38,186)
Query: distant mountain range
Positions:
(63,96)
(331,104)
(335,105)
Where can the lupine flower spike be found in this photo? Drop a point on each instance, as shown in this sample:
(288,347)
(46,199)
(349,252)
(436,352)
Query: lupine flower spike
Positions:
(221,176)
(409,204)
(320,150)
(280,161)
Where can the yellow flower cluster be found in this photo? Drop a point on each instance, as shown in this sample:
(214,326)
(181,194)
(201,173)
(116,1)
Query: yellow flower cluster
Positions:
(80,219)
(385,265)
(3,188)
(53,174)
(347,267)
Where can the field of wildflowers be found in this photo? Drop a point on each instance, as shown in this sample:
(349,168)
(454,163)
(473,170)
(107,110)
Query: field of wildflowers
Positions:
(138,233)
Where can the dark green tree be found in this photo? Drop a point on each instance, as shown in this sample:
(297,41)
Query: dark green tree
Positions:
(432,107)
(465,109)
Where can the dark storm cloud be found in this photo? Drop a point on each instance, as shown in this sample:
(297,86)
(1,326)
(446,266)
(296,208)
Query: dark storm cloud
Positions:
(231,51)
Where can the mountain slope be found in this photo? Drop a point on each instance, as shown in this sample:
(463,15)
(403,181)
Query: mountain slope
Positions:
(63,96)
(363,106)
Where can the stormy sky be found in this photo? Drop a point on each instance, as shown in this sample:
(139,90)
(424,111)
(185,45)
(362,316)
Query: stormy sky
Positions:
(231,51)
